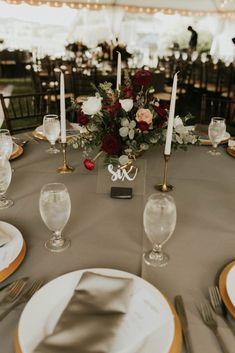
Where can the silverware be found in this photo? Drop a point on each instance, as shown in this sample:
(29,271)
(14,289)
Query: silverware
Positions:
(179,306)
(209,320)
(13,292)
(36,285)
(11,284)
(218,306)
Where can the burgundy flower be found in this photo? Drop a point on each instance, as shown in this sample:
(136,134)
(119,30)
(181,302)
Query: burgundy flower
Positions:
(114,108)
(161,111)
(143,77)
(89,164)
(111,144)
(128,93)
(82,118)
(142,125)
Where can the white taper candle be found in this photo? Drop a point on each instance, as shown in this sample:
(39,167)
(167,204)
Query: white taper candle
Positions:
(167,150)
(62,109)
(119,71)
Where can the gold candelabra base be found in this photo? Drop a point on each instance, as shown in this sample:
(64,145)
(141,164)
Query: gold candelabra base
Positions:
(164,187)
(65,168)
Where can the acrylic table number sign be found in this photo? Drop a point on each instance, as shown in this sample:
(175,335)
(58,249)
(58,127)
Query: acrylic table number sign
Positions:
(125,176)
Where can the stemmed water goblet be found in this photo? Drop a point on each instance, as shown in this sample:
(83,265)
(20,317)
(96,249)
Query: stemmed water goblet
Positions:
(216,132)
(159,224)
(55,208)
(6,143)
(5,179)
(51,130)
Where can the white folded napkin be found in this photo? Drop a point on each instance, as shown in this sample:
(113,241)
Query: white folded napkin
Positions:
(4,238)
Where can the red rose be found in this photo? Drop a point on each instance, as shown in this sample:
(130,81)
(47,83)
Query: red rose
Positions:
(143,77)
(89,164)
(82,118)
(111,144)
(142,125)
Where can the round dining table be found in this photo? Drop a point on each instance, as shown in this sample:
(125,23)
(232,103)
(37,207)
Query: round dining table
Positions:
(109,233)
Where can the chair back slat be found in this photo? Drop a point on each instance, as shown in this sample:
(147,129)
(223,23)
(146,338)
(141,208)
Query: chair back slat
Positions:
(220,107)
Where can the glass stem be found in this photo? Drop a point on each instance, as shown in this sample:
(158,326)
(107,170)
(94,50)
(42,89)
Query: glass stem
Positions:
(157,250)
(57,239)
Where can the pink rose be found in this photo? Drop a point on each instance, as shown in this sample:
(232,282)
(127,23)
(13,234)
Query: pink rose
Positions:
(144,115)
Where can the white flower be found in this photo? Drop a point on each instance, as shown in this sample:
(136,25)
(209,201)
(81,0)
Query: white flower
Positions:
(123,159)
(127,128)
(125,122)
(177,121)
(144,146)
(124,131)
(127,104)
(92,105)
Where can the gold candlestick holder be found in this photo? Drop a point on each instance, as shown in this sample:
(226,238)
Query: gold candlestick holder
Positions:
(65,168)
(164,187)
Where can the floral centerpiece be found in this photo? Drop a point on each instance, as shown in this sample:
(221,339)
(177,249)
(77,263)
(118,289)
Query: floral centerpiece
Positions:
(123,123)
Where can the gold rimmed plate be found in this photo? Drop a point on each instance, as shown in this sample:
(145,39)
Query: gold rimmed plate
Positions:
(17,151)
(163,335)
(223,288)
(72,131)
(231,151)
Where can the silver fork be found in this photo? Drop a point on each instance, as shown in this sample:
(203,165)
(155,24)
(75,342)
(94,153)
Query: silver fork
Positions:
(14,291)
(209,320)
(218,306)
(36,285)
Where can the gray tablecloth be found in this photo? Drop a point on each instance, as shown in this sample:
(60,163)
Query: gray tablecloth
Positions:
(109,233)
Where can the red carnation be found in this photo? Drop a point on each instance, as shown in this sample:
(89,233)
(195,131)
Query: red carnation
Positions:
(143,77)
(82,118)
(142,125)
(111,144)
(89,164)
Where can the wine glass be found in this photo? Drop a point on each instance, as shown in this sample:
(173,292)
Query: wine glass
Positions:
(6,143)
(51,130)
(5,179)
(159,225)
(55,208)
(216,131)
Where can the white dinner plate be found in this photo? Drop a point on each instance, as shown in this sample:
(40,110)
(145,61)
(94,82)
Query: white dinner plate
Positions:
(10,251)
(73,131)
(230,285)
(206,140)
(148,326)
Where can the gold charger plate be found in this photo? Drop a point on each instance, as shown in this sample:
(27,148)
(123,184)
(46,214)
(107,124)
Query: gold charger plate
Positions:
(231,151)
(223,290)
(38,135)
(6,272)
(18,152)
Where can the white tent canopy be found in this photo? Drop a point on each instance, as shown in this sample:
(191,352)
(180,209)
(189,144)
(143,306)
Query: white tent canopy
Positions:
(143,25)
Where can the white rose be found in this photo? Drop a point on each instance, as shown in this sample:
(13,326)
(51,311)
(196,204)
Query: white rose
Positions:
(123,131)
(92,105)
(127,104)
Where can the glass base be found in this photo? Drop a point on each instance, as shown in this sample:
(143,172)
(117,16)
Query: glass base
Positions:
(6,204)
(156,259)
(57,245)
(53,150)
(214,153)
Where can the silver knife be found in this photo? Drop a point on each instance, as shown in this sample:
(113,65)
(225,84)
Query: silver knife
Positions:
(179,306)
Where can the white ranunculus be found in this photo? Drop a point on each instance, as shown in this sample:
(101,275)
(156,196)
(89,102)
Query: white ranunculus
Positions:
(123,131)
(177,121)
(92,105)
(127,104)
(124,122)
(123,159)
(132,124)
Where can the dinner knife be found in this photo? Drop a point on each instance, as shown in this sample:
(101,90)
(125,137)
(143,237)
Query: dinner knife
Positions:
(179,306)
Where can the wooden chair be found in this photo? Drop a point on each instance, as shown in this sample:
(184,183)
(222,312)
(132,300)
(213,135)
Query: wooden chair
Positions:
(221,107)
(26,111)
